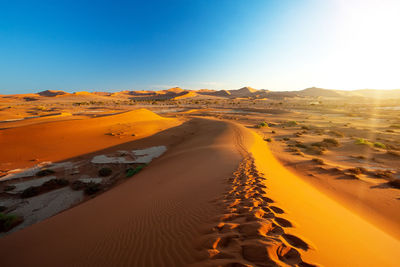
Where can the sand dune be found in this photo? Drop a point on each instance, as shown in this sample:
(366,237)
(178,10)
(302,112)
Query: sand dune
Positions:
(217,197)
(59,140)
(150,220)
(186,95)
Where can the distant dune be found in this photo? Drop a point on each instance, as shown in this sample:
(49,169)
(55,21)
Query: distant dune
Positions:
(79,136)
(177,93)
(52,93)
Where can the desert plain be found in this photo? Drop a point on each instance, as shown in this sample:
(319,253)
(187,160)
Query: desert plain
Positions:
(179,177)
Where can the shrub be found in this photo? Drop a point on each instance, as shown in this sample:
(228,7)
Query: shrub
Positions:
(92,188)
(77,185)
(383,174)
(336,133)
(268,140)
(54,184)
(394,183)
(286,138)
(132,171)
(9,188)
(379,145)
(262,124)
(315,150)
(358,170)
(291,123)
(293,149)
(44,172)
(300,144)
(318,161)
(393,153)
(30,192)
(318,144)
(105,172)
(304,127)
(362,141)
(8,221)
(273,132)
(331,141)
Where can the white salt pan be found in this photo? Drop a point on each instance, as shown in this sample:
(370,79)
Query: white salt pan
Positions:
(136,156)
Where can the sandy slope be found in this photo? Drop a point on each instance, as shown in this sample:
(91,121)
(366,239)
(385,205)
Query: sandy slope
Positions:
(151,220)
(206,203)
(337,236)
(24,146)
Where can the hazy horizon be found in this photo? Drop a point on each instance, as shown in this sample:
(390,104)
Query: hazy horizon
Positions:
(274,45)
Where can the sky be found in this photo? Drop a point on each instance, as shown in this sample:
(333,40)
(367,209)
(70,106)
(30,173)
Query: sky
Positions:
(216,44)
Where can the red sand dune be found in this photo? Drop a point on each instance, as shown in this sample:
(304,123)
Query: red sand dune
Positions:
(54,141)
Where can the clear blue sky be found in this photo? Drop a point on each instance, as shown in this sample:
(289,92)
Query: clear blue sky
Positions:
(220,44)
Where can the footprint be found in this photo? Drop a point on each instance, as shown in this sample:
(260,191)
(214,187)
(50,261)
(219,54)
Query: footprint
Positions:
(276,209)
(295,241)
(283,222)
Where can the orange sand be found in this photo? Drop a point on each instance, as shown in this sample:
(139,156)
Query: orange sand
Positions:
(338,236)
(157,217)
(54,141)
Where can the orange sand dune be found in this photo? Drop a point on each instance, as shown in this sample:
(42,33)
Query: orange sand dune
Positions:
(54,141)
(338,236)
(206,203)
(150,220)
(186,95)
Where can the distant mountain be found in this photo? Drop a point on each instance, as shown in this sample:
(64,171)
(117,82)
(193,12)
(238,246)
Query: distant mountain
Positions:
(243,92)
(319,92)
(177,93)
(52,93)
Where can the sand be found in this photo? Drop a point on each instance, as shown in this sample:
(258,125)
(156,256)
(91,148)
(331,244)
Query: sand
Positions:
(56,141)
(218,196)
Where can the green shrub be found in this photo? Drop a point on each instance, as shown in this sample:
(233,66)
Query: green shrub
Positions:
(132,171)
(268,140)
(379,145)
(262,124)
(362,141)
(291,123)
(8,221)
